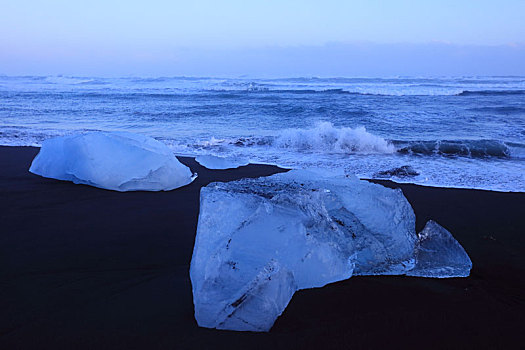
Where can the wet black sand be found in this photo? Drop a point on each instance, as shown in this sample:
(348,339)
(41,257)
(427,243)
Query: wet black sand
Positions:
(82,267)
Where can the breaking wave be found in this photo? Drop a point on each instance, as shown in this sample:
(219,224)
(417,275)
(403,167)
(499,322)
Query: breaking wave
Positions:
(323,138)
(327,138)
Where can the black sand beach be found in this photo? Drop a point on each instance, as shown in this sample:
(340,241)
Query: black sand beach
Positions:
(82,267)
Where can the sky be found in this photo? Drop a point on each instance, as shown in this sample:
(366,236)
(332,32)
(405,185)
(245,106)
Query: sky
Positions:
(262,38)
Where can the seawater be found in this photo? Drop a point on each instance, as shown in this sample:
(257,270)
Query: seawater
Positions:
(466,132)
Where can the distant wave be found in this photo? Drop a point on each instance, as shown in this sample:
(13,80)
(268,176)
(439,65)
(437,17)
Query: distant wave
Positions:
(219,93)
(250,89)
(491,92)
(337,91)
(404,80)
(393,86)
(275,90)
(68,80)
(499,110)
(255,89)
(464,148)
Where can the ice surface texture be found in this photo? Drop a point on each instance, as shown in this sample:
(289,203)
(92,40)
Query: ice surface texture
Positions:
(260,240)
(115,161)
(214,162)
(439,255)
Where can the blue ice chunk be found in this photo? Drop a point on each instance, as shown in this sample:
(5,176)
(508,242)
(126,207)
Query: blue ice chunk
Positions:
(313,229)
(439,255)
(117,161)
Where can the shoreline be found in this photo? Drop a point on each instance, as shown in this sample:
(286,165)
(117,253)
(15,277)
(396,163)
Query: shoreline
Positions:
(407,180)
(92,268)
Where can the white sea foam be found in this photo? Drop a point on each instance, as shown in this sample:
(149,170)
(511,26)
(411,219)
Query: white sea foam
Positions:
(214,162)
(327,138)
(517,150)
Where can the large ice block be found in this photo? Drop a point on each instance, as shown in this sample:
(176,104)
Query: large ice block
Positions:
(117,161)
(312,229)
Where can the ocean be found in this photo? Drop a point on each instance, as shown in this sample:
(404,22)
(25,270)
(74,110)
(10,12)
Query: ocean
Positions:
(463,132)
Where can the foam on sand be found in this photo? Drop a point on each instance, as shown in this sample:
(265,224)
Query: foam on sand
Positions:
(220,163)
